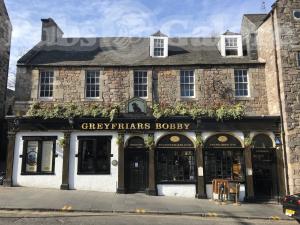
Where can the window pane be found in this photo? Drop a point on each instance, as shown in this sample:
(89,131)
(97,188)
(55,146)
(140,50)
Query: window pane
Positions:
(47,156)
(241,83)
(94,155)
(187,83)
(224,164)
(32,156)
(92,84)
(46,83)
(176,165)
(140,83)
(299,59)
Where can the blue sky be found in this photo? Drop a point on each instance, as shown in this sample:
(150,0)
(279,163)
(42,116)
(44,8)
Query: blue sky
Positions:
(88,18)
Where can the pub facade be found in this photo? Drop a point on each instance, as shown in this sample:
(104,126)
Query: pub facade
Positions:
(160,115)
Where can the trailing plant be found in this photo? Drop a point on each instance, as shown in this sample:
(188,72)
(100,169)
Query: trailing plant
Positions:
(64,111)
(61,142)
(220,113)
(149,141)
(199,141)
(120,139)
(247,142)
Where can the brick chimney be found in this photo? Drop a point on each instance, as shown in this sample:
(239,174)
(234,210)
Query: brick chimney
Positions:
(50,31)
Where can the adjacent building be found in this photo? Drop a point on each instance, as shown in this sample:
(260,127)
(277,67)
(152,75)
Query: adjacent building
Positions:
(5,36)
(160,115)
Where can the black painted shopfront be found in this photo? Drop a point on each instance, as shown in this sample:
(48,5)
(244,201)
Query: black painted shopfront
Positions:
(175,158)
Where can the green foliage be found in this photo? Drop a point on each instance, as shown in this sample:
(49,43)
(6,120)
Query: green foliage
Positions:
(199,141)
(64,111)
(149,141)
(61,142)
(221,113)
(247,142)
(120,139)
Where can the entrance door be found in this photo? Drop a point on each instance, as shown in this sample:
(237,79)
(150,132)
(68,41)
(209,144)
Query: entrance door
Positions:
(136,170)
(264,173)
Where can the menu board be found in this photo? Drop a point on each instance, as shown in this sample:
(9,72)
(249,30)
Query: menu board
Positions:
(32,154)
(47,156)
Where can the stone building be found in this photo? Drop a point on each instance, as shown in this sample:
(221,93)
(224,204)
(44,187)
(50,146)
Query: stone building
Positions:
(160,115)
(5,34)
(279,47)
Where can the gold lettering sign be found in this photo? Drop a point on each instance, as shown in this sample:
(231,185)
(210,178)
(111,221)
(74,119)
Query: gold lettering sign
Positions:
(222,139)
(174,139)
(135,126)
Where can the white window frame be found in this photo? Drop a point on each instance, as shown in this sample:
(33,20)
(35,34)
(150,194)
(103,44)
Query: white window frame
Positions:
(194,82)
(86,84)
(165,48)
(222,45)
(160,48)
(40,84)
(296,10)
(248,84)
(147,83)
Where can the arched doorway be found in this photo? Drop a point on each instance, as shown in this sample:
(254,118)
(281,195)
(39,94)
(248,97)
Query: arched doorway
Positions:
(264,167)
(223,159)
(136,165)
(176,166)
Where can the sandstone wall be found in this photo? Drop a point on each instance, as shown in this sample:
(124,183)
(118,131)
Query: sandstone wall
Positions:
(213,86)
(287,35)
(5,32)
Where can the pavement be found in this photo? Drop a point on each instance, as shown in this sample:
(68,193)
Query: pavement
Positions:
(20,198)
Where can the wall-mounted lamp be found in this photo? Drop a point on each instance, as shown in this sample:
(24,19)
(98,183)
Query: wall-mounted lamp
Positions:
(278,141)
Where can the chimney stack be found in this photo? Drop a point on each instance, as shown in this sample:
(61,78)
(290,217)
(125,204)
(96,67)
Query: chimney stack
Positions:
(50,31)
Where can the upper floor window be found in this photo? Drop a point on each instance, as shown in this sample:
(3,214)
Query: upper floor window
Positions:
(158,47)
(231,46)
(46,84)
(187,83)
(140,84)
(296,14)
(92,83)
(241,83)
(38,155)
(298,59)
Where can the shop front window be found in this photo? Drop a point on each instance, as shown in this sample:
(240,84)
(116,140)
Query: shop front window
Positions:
(38,155)
(94,155)
(175,165)
(224,164)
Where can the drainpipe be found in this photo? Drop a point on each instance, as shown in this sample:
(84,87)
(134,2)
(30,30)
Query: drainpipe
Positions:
(280,106)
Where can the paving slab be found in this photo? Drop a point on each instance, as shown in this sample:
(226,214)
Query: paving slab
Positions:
(91,201)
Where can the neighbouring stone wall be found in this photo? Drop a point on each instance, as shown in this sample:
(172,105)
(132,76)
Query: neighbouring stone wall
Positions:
(214,86)
(287,34)
(5,32)
(266,53)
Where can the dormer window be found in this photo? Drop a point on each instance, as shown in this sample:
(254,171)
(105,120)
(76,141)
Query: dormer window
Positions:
(159,45)
(231,44)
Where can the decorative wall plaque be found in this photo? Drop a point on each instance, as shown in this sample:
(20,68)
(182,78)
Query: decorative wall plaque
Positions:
(137,105)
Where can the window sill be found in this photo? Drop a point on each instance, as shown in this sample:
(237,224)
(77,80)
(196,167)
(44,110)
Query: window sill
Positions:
(176,182)
(92,99)
(80,174)
(244,98)
(36,174)
(45,99)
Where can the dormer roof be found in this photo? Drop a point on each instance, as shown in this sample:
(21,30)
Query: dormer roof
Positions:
(228,32)
(159,34)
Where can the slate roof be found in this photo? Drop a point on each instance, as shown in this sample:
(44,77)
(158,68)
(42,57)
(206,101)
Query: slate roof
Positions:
(124,51)
(256,19)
